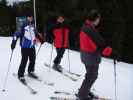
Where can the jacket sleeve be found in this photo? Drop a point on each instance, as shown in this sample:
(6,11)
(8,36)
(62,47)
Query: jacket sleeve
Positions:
(16,35)
(48,32)
(96,37)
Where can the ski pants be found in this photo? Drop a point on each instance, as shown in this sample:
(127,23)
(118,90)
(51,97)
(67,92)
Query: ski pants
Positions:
(60,52)
(90,77)
(27,53)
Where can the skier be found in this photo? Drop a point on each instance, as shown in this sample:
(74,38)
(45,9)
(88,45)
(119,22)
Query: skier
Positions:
(28,38)
(92,46)
(60,34)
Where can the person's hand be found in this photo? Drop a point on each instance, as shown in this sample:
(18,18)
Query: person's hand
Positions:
(107,51)
(13,46)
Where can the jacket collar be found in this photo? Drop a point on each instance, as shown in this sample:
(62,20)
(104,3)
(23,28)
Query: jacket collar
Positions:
(90,24)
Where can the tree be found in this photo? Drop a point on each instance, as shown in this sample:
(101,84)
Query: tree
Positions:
(3,2)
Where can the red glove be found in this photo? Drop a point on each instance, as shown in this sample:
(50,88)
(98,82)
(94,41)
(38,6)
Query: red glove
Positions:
(107,51)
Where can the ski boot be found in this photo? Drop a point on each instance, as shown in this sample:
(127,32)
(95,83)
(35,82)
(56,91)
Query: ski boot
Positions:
(57,67)
(92,95)
(82,98)
(32,75)
(22,80)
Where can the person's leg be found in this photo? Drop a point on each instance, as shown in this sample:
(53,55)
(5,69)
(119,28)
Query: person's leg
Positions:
(31,67)
(32,58)
(60,52)
(57,60)
(90,77)
(23,63)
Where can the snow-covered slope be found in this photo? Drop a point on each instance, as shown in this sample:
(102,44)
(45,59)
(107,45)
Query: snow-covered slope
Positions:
(104,85)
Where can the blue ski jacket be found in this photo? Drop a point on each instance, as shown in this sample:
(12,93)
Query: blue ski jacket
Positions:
(26,35)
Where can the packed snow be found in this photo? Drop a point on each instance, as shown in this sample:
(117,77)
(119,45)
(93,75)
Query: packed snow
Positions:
(104,86)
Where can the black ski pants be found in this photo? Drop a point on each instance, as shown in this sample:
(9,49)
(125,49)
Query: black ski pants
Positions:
(60,52)
(27,53)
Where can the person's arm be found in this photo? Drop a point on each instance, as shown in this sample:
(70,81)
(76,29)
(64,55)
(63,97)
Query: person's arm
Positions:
(48,30)
(96,37)
(16,35)
(39,37)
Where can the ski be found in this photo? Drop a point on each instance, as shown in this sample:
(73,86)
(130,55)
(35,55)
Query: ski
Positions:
(39,80)
(75,74)
(32,91)
(78,75)
(61,98)
(63,92)
(70,77)
(68,93)
(65,73)
(42,81)
(72,98)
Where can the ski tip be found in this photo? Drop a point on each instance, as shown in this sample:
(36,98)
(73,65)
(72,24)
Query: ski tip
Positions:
(3,90)
(56,98)
(61,98)
(34,92)
(53,98)
(74,80)
(58,92)
(46,64)
(104,98)
(51,84)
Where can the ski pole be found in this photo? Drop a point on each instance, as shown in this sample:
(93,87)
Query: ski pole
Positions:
(69,60)
(38,50)
(51,57)
(34,7)
(115,79)
(9,65)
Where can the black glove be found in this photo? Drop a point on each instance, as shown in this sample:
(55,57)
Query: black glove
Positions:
(13,45)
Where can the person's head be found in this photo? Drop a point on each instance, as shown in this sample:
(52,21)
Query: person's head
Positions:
(29,17)
(94,16)
(60,19)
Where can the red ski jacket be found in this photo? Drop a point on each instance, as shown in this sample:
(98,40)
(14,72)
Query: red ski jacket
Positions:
(88,35)
(91,41)
(61,35)
(86,43)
